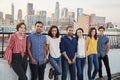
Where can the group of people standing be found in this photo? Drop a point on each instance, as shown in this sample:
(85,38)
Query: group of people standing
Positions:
(65,53)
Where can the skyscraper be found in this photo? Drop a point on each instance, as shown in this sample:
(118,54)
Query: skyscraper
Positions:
(8,17)
(43,16)
(30,21)
(84,22)
(71,15)
(64,13)
(19,17)
(1,15)
(79,12)
(12,13)
(30,10)
(57,10)
(1,18)
(96,21)
(53,15)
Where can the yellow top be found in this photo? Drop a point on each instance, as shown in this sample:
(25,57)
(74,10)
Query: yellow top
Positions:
(92,46)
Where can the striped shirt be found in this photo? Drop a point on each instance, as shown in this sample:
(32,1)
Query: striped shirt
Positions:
(15,45)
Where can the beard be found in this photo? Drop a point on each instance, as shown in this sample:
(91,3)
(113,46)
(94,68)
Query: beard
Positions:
(70,34)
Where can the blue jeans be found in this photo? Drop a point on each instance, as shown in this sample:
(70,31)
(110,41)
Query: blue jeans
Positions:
(65,68)
(92,59)
(80,63)
(56,64)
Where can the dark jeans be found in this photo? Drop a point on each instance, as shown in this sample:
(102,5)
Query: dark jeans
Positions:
(80,63)
(56,64)
(106,63)
(37,71)
(65,68)
(19,65)
(92,60)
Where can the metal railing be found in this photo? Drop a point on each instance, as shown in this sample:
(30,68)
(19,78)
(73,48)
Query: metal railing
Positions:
(4,36)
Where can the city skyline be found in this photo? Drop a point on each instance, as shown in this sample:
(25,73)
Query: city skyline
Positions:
(106,8)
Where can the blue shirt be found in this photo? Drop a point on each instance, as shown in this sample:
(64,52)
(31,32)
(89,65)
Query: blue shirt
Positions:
(102,41)
(68,46)
(37,46)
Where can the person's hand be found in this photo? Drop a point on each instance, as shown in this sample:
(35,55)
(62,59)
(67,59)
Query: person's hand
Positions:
(73,61)
(107,52)
(33,61)
(69,61)
(10,65)
(45,60)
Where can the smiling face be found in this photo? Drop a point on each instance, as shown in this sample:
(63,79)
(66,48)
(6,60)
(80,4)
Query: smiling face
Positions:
(22,29)
(79,33)
(54,32)
(93,32)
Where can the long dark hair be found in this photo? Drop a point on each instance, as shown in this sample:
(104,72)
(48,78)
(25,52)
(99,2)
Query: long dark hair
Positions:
(76,32)
(90,35)
(50,31)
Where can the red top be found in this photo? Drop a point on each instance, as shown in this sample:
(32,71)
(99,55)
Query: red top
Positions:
(15,45)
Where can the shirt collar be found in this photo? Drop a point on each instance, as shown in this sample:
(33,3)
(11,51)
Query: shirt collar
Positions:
(37,34)
(67,37)
(100,36)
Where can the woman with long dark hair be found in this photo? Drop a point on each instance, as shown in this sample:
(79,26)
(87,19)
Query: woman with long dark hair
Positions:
(81,58)
(53,41)
(15,51)
(91,53)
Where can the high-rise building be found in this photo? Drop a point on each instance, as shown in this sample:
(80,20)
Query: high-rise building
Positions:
(87,21)
(64,22)
(8,16)
(57,10)
(79,12)
(42,16)
(71,15)
(12,13)
(1,18)
(19,17)
(96,21)
(8,19)
(53,15)
(30,10)
(64,13)
(30,21)
(84,22)
(1,15)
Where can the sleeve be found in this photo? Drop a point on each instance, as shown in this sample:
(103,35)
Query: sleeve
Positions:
(28,39)
(62,46)
(76,46)
(59,38)
(107,40)
(8,50)
(47,40)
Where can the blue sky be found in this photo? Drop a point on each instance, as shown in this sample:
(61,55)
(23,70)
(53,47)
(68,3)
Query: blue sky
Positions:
(106,8)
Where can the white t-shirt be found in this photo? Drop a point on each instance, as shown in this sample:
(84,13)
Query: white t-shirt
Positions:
(54,46)
(81,48)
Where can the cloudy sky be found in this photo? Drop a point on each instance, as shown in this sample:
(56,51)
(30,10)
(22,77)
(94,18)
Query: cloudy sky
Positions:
(106,8)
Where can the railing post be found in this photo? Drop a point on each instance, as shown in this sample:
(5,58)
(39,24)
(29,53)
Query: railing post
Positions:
(2,44)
